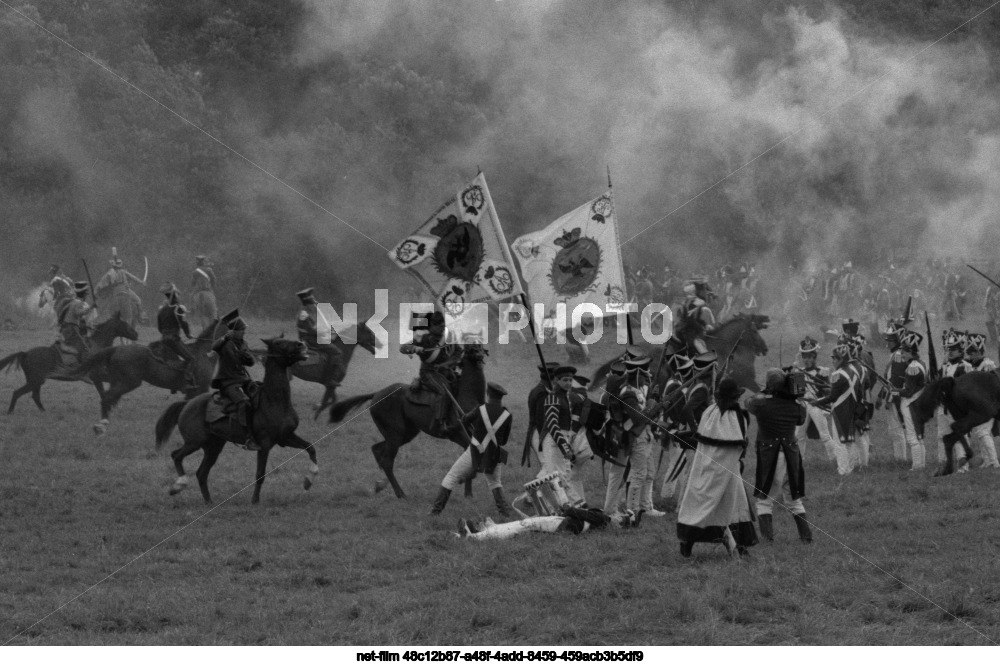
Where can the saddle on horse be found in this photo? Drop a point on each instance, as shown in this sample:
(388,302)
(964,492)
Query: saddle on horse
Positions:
(428,390)
(166,356)
(239,425)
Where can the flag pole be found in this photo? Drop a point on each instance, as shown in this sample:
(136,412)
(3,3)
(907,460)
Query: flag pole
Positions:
(628,319)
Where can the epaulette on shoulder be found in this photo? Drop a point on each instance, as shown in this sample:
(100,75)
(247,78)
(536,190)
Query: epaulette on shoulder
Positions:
(914,369)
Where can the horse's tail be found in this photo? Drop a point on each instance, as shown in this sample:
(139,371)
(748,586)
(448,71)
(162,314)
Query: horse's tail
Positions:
(167,422)
(13,360)
(343,407)
(92,362)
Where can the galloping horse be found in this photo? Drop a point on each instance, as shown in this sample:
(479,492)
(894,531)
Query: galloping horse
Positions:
(399,420)
(331,376)
(737,341)
(972,399)
(43,362)
(273,423)
(126,305)
(126,367)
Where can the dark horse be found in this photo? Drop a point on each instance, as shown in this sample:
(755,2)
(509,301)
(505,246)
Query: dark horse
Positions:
(331,377)
(972,399)
(126,367)
(737,343)
(399,420)
(273,423)
(43,362)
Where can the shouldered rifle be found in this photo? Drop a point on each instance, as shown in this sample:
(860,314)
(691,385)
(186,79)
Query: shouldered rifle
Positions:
(932,370)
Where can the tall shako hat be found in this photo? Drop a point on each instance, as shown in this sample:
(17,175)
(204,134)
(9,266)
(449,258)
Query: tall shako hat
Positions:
(495,390)
(850,327)
(705,360)
(563,370)
(548,369)
(167,288)
(233,320)
(680,364)
(975,342)
(201,259)
(910,340)
(54,268)
(306,296)
(953,339)
(617,368)
(809,345)
(636,363)
(115,261)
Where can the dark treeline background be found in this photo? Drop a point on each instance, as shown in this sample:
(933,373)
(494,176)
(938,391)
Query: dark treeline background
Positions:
(377,111)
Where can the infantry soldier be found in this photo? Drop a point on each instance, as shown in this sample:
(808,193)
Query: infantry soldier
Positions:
(73,324)
(555,451)
(309,333)
(842,402)
(231,376)
(203,291)
(954,366)
(895,375)
(981,436)
(171,320)
(862,365)
(491,424)
(817,422)
(780,472)
(60,289)
(992,306)
(914,379)
(438,360)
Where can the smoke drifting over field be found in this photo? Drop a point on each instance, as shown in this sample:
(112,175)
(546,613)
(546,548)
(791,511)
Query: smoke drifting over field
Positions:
(837,144)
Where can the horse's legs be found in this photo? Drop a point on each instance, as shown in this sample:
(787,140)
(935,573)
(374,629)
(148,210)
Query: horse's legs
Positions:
(329,397)
(296,441)
(178,456)
(24,390)
(212,450)
(385,455)
(261,472)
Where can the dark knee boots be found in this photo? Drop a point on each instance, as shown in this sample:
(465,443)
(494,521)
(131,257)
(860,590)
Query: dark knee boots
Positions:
(805,534)
(501,502)
(441,501)
(766,527)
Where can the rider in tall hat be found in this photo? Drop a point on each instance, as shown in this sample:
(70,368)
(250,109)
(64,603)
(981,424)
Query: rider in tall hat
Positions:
(694,317)
(231,377)
(817,424)
(438,362)
(981,435)
(914,380)
(73,323)
(203,288)
(490,425)
(954,366)
(171,320)
(842,402)
(309,333)
(60,288)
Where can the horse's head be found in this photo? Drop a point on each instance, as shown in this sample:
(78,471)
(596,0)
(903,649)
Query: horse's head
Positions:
(287,352)
(750,327)
(120,328)
(368,340)
(474,353)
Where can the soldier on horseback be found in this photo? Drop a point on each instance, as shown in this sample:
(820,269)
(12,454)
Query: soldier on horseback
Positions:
(170,321)
(694,317)
(438,360)
(231,377)
(309,333)
(114,287)
(60,290)
(73,323)
(203,289)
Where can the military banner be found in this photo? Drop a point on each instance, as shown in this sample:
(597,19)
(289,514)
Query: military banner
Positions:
(460,254)
(575,259)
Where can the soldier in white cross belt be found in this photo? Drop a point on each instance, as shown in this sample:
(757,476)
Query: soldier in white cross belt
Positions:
(490,426)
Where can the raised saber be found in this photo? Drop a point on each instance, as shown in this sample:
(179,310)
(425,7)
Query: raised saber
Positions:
(145,274)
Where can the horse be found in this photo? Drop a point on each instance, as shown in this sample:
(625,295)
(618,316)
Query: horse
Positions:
(972,399)
(273,422)
(125,304)
(331,376)
(399,420)
(126,367)
(737,342)
(203,307)
(43,362)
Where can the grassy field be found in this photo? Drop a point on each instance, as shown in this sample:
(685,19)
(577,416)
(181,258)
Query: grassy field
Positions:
(94,551)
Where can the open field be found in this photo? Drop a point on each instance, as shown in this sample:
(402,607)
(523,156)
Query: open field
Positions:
(94,551)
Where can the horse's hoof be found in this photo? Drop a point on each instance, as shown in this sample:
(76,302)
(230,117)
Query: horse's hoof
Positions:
(379,486)
(307,483)
(100,429)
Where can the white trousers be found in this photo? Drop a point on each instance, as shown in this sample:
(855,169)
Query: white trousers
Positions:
(821,419)
(462,470)
(639,472)
(916,444)
(780,492)
(847,454)
(897,432)
(552,460)
(981,439)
